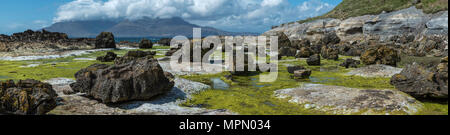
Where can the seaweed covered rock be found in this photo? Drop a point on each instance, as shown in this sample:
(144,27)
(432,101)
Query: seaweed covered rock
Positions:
(145,44)
(105,40)
(314,60)
(380,55)
(330,53)
(422,82)
(27,97)
(350,63)
(137,79)
(109,57)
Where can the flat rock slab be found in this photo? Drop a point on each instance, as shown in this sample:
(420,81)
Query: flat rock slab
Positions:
(375,71)
(343,100)
(167,104)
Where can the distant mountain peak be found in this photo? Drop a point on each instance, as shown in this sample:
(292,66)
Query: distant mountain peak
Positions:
(143,27)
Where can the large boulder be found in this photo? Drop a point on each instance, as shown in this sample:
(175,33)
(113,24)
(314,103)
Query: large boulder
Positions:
(422,82)
(105,40)
(380,55)
(109,57)
(127,80)
(164,41)
(27,97)
(283,40)
(145,44)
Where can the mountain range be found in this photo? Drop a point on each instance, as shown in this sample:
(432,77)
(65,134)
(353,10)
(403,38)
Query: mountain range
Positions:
(144,27)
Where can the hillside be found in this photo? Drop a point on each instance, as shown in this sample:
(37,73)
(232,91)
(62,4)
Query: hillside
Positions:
(353,8)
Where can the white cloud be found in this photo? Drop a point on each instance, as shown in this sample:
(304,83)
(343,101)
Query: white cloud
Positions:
(233,15)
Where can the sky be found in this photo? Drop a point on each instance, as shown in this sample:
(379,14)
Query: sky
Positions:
(229,15)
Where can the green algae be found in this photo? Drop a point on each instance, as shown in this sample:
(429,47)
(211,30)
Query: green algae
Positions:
(56,68)
(248,96)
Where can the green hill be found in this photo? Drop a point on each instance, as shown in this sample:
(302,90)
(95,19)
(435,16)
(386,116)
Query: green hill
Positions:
(352,8)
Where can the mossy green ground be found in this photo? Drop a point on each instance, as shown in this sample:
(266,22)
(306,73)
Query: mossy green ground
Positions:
(54,68)
(248,96)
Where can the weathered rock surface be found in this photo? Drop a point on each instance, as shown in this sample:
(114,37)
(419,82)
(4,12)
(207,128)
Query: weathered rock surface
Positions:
(375,71)
(105,40)
(314,60)
(145,44)
(138,79)
(343,100)
(380,55)
(304,52)
(27,97)
(422,82)
(109,57)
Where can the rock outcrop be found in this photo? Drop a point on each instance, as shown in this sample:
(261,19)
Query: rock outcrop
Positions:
(129,79)
(105,40)
(27,97)
(423,82)
(407,29)
(145,44)
(343,100)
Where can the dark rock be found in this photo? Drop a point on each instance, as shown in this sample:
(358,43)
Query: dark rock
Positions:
(350,63)
(304,52)
(302,74)
(380,55)
(330,39)
(105,40)
(133,55)
(423,83)
(109,57)
(286,51)
(291,69)
(283,41)
(164,41)
(314,60)
(35,36)
(138,79)
(27,97)
(330,53)
(145,44)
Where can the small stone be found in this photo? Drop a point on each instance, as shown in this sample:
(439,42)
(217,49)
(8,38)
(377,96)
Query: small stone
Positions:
(302,74)
(291,69)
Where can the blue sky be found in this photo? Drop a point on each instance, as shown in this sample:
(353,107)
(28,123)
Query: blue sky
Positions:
(19,15)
